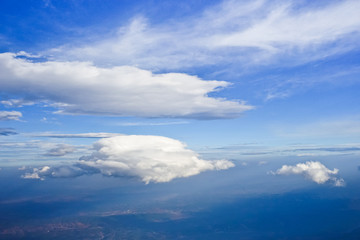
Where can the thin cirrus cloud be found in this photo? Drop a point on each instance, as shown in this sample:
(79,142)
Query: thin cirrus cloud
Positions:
(10,115)
(16,103)
(149,158)
(76,135)
(347,126)
(314,171)
(134,124)
(82,88)
(254,32)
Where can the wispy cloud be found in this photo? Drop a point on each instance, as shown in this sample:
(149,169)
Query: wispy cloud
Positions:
(255,32)
(297,150)
(129,124)
(16,102)
(279,86)
(346,126)
(36,152)
(10,115)
(76,135)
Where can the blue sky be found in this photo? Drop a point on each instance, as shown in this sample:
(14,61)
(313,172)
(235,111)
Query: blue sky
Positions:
(223,77)
(151,119)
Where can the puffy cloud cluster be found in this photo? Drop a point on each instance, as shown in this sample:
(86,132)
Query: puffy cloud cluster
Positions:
(150,158)
(55,172)
(38,173)
(10,115)
(314,171)
(82,88)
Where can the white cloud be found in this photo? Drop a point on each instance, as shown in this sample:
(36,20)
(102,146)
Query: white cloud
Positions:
(82,88)
(151,158)
(10,115)
(314,171)
(283,25)
(233,31)
(60,150)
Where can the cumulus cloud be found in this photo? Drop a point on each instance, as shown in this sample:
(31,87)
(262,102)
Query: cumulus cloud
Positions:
(60,150)
(233,31)
(37,173)
(314,171)
(149,158)
(7,131)
(82,88)
(10,115)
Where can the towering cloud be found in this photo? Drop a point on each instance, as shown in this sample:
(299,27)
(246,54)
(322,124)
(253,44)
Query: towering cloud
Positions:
(149,158)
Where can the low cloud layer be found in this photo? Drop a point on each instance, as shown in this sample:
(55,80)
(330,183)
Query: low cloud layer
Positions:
(60,150)
(55,172)
(314,171)
(10,115)
(149,158)
(7,131)
(82,88)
